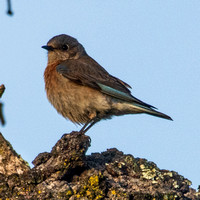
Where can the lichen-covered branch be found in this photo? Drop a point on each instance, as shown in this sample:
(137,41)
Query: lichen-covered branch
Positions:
(10,161)
(68,173)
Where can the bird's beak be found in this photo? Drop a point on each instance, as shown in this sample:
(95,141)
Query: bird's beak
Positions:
(48,48)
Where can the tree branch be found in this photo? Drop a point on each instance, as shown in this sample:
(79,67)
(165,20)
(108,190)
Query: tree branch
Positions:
(2,119)
(9,12)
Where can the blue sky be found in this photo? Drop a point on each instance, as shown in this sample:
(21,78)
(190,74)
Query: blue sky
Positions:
(151,45)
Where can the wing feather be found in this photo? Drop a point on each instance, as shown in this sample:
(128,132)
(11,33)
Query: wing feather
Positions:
(86,71)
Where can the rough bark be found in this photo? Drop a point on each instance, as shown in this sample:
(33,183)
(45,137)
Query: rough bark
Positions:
(68,173)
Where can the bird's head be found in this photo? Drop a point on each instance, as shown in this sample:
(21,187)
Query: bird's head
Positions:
(63,47)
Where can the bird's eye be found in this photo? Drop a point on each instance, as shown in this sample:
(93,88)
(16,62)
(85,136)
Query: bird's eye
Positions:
(65,47)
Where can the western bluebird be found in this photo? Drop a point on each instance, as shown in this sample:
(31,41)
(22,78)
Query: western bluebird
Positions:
(82,90)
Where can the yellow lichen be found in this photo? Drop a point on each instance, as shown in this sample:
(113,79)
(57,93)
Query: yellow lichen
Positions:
(88,193)
(129,159)
(91,188)
(165,197)
(169,197)
(113,192)
(69,193)
(94,181)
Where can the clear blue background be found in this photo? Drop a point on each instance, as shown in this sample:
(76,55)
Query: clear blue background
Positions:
(152,45)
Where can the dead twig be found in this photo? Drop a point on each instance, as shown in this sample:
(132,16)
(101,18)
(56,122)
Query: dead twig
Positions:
(2,88)
(2,119)
(9,12)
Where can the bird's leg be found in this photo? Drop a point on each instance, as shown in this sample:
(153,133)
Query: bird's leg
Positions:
(84,127)
(93,118)
(91,124)
(88,125)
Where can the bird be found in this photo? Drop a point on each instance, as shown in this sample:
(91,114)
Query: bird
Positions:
(82,91)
